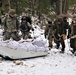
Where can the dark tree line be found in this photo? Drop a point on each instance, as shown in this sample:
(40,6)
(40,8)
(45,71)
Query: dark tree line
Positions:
(38,6)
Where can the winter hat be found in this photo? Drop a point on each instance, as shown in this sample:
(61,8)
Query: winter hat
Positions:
(11,11)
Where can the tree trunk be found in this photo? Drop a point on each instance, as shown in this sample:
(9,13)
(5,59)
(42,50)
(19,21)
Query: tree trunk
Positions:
(58,7)
(7,6)
(8,2)
(61,7)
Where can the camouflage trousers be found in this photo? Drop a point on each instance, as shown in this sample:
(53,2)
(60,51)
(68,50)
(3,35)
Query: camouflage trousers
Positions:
(50,39)
(13,35)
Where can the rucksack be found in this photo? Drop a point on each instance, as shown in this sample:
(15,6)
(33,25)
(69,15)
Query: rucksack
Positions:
(28,19)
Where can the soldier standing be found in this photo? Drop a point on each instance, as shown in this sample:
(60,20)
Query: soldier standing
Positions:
(11,26)
(60,34)
(49,33)
(73,37)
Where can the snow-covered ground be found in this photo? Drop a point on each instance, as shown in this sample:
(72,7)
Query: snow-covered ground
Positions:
(52,64)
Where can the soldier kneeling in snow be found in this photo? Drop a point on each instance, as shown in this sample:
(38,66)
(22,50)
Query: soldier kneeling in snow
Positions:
(73,37)
(11,26)
(25,27)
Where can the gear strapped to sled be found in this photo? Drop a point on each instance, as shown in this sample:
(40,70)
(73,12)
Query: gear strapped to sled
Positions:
(23,51)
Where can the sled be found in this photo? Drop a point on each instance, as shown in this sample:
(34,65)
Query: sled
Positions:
(18,53)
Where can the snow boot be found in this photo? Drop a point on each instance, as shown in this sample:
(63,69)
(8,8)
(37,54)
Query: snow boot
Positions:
(49,48)
(72,51)
(62,52)
(57,46)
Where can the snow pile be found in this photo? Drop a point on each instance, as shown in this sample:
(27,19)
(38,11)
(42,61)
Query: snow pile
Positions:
(27,45)
(37,43)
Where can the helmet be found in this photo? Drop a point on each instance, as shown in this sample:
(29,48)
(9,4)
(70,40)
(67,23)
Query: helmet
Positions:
(23,18)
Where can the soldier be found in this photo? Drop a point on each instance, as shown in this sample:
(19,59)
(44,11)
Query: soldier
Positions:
(59,34)
(11,26)
(49,33)
(73,37)
(25,27)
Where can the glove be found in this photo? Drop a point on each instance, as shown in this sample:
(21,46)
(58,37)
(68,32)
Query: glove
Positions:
(52,36)
(3,33)
(32,29)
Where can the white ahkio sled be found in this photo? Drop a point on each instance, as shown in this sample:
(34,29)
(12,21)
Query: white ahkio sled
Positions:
(18,53)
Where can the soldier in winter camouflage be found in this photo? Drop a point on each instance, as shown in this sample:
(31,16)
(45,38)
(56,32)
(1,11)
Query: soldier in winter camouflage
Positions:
(11,26)
(49,33)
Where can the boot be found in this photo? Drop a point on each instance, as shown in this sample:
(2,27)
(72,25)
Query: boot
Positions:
(73,51)
(62,50)
(57,46)
(49,48)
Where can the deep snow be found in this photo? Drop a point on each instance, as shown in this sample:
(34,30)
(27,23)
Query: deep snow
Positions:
(52,64)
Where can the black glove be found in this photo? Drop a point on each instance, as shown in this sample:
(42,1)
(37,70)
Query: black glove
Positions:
(52,36)
(32,29)
(3,33)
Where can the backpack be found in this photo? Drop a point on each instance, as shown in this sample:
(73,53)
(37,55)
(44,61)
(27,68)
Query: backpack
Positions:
(28,19)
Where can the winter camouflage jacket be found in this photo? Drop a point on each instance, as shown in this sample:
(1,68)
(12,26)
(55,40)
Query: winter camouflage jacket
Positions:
(11,24)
